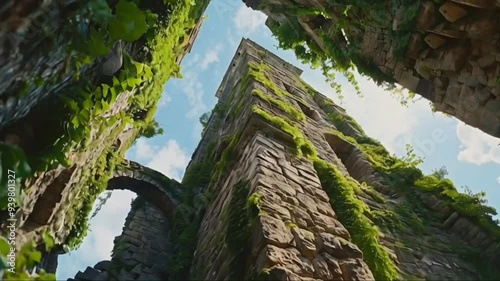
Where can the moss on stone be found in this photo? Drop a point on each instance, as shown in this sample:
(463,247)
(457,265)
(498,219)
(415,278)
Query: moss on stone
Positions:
(238,230)
(260,72)
(285,106)
(304,147)
(350,211)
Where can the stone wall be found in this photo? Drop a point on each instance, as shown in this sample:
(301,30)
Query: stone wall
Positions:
(141,252)
(290,230)
(452,56)
(51,194)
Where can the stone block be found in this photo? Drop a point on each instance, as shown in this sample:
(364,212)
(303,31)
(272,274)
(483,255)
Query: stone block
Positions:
(454,59)
(307,202)
(321,269)
(486,60)
(409,81)
(305,242)
(103,265)
(425,88)
(452,95)
(330,225)
(434,41)
(301,217)
(427,16)
(333,265)
(288,258)
(147,277)
(338,247)
(452,12)
(271,231)
(355,269)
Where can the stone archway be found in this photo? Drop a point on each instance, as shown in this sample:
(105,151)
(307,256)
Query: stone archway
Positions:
(152,185)
(161,196)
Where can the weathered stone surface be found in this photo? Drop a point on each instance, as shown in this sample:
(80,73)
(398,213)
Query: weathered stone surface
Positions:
(452,12)
(338,247)
(305,241)
(355,269)
(272,231)
(288,258)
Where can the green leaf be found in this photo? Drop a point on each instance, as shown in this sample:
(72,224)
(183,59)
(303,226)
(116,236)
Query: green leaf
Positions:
(113,96)
(115,81)
(4,246)
(105,89)
(139,66)
(35,256)
(49,241)
(84,116)
(101,11)
(87,104)
(105,105)
(61,158)
(116,29)
(98,108)
(75,121)
(97,46)
(132,82)
(130,22)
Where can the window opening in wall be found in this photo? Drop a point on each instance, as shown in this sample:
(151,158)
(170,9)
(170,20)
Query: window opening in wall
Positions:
(341,148)
(309,112)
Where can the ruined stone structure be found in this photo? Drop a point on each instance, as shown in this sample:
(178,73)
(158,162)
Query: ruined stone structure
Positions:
(445,51)
(263,206)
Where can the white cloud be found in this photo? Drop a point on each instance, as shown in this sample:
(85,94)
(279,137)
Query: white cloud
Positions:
(384,110)
(143,150)
(498,180)
(476,146)
(211,57)
(248,20)
(171,159)
(193,89)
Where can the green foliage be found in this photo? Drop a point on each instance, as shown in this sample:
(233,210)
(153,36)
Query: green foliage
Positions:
(238,230)
(204,119)
(261,74)
(339,119)
(350,211)
(341,52)
(283,105)
(151,129)
(373,193)
(15,168)
(99,27)
(127,23)
(25,261)
(304,147)
(403,175)
(440,173)
(94,184)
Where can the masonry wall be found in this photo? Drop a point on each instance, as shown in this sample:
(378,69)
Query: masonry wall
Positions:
(141,252)
(270,215)
(450,53)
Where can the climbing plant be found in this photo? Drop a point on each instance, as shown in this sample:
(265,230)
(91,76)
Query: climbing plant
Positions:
(19,265)
(339,51)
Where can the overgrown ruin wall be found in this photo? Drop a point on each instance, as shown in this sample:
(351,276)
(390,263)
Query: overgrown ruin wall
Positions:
(446,51)
(272,216)
(272,213)
(141,252)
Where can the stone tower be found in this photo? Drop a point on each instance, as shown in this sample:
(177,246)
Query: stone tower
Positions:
(284,185)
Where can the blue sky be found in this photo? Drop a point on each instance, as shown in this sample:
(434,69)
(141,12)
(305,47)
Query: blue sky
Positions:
(471,157)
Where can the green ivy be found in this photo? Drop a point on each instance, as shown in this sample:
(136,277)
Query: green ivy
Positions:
(25,261)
